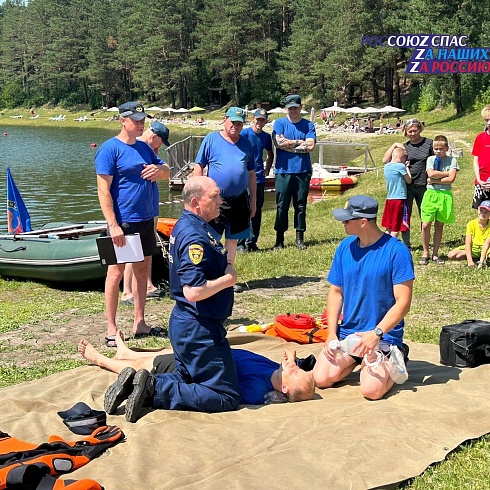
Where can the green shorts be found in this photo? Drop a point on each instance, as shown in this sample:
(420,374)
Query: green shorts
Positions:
(437,206)
(475,251)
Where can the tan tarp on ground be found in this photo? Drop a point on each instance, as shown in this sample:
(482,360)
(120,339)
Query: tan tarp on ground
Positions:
(337,441)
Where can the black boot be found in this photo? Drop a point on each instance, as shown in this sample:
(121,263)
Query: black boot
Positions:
(300,236)
(279,240)
(142,395)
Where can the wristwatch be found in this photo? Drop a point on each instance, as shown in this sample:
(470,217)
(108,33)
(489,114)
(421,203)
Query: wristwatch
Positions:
(378,332)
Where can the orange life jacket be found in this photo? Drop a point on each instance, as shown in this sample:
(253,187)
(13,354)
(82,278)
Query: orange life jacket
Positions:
(26,465)
(301,328)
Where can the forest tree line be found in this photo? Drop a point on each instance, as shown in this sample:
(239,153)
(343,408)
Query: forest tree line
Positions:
(189,52)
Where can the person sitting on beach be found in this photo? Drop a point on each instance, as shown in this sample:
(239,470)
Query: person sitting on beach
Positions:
(257,375)
(477,236)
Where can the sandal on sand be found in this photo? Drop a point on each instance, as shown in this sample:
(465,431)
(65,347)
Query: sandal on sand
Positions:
(437,260)
(154,332)
(424,261)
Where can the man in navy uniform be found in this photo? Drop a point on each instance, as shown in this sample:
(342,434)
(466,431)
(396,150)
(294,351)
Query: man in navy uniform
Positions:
(201,282)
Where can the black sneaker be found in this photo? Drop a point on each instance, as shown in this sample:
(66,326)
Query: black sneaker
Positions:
(119,390)
(252,247)
(142,395)
(278,246)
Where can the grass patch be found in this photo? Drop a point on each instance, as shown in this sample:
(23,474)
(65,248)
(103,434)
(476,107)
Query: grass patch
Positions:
(442,294)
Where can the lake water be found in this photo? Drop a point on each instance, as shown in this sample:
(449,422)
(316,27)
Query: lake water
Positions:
(53,169)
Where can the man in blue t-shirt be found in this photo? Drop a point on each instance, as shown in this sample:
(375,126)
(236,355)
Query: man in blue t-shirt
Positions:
(257,375)
(126,170)
(294,138)
(260,141)
(371,282)
(231,164)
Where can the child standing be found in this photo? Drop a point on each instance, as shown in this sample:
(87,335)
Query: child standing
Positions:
(477,236)
(397,176)
(438,203)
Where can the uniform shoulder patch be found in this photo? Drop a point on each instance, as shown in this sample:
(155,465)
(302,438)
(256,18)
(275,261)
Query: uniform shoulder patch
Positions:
(196,253)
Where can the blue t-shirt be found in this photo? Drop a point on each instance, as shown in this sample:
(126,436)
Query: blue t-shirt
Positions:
(287,162)
(254,376)
(366,276)
(395,182)
(260,142)
(446,164)
(196,256)
(228,163)
(133,197)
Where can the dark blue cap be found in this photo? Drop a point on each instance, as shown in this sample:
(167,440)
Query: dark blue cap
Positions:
(133,110)
(292,101)
(82,420)
(161,131)
(260,113)
(357,207)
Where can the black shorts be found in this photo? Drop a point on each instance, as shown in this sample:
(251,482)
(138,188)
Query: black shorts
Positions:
(234,212)
(146,229)
(480,195)
(164,364)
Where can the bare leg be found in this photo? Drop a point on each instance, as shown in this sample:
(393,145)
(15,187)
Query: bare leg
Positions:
(438,227)
(140,360)
(114,276)
(149,285)
(128,279)
(425,238)
(140,275)
(231,246)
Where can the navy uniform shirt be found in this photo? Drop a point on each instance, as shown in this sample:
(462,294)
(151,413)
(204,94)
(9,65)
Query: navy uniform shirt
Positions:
(197,256)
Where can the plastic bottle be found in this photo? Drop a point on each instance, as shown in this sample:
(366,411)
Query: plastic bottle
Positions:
(254,328)
(398,370)
(437,163)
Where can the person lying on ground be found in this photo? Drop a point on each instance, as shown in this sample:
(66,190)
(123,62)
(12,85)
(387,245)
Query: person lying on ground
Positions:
(257,375)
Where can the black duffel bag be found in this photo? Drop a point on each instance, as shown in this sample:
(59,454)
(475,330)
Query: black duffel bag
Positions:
(465,344)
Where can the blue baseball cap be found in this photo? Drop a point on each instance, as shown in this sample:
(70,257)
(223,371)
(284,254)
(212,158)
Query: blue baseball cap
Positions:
(260,113)
(161,131)
(83,420)
(485,205)
(292,101)
(357,207)
(236,114)
(133,110)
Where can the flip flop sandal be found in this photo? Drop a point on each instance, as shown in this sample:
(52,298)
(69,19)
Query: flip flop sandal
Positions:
(127,302)
(154,332)
(157,294)
(424,261)
(437,260)
(110,341)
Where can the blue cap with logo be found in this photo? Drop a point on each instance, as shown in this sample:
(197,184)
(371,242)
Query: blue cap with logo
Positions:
(260,113)
(292,101)
(161,131)
(133,110)
(357,207)
(485,205)
(236,114)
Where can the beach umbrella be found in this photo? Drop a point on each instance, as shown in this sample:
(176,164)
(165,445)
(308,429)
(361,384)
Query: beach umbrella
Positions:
(334,108)
(354,110)
(371,110)
(197,109)
(113,109)
(168,109)
(277,110)
(154,109)
(312,114)
(182,110)
(390,108)
(302,111)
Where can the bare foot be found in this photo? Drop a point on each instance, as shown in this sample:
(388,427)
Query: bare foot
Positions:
(123,351)
(141,328)
(89,352)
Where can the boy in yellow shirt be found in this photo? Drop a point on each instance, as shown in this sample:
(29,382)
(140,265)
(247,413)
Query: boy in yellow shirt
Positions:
(477,235)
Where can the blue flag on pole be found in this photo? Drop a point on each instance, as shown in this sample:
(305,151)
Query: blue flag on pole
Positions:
(18,219)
